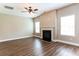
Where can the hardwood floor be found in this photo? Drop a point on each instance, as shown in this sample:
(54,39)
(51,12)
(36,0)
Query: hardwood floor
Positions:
(36,47)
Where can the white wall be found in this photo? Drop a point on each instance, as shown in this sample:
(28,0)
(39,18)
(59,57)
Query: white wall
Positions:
(15,27)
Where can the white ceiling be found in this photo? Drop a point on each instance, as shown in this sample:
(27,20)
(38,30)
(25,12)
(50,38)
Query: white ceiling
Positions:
(19,7)
(39,1)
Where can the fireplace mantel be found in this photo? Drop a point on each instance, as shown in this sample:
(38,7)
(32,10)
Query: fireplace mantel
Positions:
(47,28)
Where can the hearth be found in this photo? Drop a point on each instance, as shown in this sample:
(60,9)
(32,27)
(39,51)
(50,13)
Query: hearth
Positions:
(46,35)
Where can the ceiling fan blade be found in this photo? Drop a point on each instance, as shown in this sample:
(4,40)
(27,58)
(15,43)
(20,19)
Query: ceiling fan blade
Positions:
(26,8)
(30,7)
(35,9)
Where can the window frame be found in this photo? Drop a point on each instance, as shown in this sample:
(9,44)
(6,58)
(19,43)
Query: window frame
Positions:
(39,27)
(72,24)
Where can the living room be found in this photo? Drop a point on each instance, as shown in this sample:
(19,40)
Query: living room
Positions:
(39,29)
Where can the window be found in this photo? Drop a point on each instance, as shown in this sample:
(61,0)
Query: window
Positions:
(68,25)
(37,27)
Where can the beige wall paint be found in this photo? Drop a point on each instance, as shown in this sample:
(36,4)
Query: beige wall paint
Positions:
(15,27)
(70,10)
(52,19)
(47,20)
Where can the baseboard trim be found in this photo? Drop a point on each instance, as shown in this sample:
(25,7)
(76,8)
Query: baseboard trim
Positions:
(70,43)
(15,38)
(36,36)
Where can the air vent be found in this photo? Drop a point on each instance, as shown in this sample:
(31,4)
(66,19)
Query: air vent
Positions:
(9,7)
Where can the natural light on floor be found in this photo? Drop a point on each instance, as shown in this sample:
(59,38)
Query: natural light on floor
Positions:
(68,25)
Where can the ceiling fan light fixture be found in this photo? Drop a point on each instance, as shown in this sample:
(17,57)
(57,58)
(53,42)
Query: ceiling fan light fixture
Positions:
(30,9)
(26,8)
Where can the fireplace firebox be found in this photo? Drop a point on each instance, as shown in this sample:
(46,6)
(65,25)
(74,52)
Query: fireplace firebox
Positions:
(46,35)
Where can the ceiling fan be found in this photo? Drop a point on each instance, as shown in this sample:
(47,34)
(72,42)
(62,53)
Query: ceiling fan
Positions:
(30,9)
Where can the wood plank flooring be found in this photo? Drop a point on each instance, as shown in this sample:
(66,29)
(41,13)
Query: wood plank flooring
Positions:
(36,47)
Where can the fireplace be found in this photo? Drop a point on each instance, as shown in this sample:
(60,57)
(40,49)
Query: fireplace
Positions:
(46,35)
